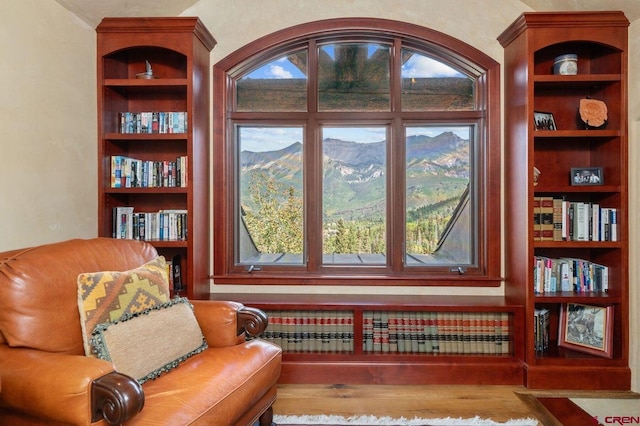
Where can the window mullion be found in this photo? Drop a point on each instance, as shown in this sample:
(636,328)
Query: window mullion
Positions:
(313,196)
(396,201)
(313,170)
(396,83)
(312,78)
(395,179)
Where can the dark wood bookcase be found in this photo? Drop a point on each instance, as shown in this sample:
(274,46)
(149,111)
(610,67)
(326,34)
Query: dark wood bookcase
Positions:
(178,51)
(531,44)
(362,366)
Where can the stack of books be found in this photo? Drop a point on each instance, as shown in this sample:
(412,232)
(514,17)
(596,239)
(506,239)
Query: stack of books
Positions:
(311,330)
(541,329)
(556,219)
(436,332)
(163,225)
(569,274)
(128,172)
(152,122)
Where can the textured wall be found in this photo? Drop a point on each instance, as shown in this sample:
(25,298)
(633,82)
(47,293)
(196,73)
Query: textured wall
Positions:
(47,125)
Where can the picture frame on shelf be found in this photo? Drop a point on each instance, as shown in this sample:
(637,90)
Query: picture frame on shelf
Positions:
(587,176)
(544,121)
(586,328)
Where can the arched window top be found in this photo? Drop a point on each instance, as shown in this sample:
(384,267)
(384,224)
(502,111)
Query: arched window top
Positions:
(431,42)
(357,147)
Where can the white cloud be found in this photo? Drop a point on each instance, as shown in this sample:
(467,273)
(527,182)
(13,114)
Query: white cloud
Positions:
(423,67)
(277,71)
(258,139)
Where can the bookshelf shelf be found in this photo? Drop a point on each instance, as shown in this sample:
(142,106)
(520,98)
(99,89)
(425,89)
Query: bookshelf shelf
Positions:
(556,357)
(146,136)
(178,51)
(168,244)
(300,321)
(158,191)
(565,296)
(578,244)
(559,189)
(531,45)
(576,134)
(155,83)
(564,80)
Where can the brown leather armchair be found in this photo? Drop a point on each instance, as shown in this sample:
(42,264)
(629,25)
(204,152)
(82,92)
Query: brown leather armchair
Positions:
(47,379)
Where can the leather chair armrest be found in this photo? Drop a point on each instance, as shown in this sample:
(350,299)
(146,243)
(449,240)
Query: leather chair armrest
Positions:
(252,321)
(116,398)
(61,387)
(224,323)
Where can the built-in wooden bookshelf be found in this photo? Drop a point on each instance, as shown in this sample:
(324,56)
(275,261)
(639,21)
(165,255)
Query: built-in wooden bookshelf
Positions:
(137,114)
(532,44)
(348,338)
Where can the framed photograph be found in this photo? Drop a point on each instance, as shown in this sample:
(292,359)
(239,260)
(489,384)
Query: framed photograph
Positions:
(543,121)
(587,176)
(586,328)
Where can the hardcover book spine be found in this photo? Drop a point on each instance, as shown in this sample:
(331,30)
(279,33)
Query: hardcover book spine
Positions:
(546,218)
(557,219)
(393,332)
(536,219)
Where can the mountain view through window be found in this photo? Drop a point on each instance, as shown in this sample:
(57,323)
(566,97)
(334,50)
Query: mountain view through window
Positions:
(354,192)
(355,155)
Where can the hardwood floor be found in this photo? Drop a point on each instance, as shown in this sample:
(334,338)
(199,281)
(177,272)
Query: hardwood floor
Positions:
(500,403)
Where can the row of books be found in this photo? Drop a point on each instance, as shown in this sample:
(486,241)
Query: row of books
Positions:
(174,272)
(127,172)
(437,332)
(153,122)
(311,331)
(541,329)
(569,274)
(556,219)
(163,225)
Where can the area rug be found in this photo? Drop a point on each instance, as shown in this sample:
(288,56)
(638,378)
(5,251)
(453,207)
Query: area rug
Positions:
(390,421)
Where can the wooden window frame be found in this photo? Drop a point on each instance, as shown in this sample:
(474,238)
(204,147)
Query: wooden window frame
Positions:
(487,156)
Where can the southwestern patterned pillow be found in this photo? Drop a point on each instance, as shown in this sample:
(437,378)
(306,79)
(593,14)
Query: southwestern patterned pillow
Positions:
(111,295)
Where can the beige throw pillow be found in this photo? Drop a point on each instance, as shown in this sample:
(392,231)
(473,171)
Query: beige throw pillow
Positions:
(152,342)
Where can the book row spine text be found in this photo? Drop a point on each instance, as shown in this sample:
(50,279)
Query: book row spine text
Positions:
(311,331)
(437,332)
(127,172)
(556,219)
(569,275)
(152,122)
(163,225)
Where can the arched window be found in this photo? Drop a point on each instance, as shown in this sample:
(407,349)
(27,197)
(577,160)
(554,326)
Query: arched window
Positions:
(357,152)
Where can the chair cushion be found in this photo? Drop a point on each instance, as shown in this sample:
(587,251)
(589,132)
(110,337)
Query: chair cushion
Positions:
(111,295)
(215,387)
(149,343)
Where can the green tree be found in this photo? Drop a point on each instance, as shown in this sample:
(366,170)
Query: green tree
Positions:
(276,224)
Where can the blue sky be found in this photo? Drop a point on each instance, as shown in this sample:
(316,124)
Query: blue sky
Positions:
(418,66)
(259,139)
(274,138)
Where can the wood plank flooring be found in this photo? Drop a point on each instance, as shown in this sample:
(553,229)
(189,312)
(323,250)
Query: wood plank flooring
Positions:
(500,403)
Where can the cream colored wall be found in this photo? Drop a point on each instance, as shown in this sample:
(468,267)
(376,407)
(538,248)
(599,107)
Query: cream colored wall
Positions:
(48,108)
(456,18)
(47,125)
